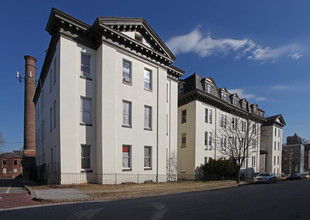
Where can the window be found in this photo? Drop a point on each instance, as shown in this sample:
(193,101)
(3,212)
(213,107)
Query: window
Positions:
(86,110)
(15,162)
(234,102)
(254,128)
(209,88)
(243,125)
(210,116)
(278,145)
(278,160)
(167,93)
(85,65)
(206,140)
(51,80)
(147,157)
(275,145)
(51,119)
(210,141)
(85,157)
(181,90)
(243,105)
(126,157)
(4,162)
(183,119)
(147,117)
(223,120)
(126,113)
(223,96)
(54,71)
(235,123)
(147,79)
(206,160)
(274,160)
(254,143)
(275,131)
(138,37)
(183,140)
(126,71)
(54,109)
(223,142)
(253,161)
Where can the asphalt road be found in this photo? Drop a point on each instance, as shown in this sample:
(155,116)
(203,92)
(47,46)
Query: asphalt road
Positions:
(283,200)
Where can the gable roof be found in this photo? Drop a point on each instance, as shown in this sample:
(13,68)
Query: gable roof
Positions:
(276,119)
(108,30)
(136,24)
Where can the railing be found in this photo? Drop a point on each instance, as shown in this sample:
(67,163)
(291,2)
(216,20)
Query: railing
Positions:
(57,178)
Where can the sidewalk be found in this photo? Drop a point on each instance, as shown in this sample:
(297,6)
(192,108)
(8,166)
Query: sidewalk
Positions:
(122,191)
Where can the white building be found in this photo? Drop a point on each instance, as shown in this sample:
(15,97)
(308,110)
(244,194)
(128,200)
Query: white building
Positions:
(271,148)
(211,121)
(106,102)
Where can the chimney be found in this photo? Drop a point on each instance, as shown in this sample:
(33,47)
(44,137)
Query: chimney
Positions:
(29,117)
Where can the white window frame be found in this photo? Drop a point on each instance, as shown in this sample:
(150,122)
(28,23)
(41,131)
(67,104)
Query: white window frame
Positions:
(86,113)
(147,118)
(83,157)
(85,69)
(148,158)
(148,81)
(126,113)
(183,140)
(128,157)
(127,73)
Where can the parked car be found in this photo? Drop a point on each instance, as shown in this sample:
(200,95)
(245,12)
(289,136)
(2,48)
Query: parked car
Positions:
(294,176)
(265,178)
(305,176)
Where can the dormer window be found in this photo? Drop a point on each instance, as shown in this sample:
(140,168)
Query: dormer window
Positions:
(181,90)
(209,88)
(224,96)
(243,105)
(234,102)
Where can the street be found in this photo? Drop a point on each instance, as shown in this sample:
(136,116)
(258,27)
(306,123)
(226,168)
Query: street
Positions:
(283,200)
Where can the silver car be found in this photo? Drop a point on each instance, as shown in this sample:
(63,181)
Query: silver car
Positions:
(265,178)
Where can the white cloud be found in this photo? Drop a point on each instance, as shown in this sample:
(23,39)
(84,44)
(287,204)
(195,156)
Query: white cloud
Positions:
(242,94)
(282,87)
(260,99)
(205,46)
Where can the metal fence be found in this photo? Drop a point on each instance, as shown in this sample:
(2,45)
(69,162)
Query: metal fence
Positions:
(58,178)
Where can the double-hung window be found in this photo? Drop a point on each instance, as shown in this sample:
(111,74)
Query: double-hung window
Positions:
(206,140)
(127,71)
(85,157)
(147,157)
(86,110)
(147,79)
(126,113)
(147,117)
(183,140)
(208,116)
(51,119)
(126,161)
(183,119)
(85,65)
(210,140)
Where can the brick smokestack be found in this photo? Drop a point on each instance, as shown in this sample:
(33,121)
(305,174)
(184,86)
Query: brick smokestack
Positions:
(29,118)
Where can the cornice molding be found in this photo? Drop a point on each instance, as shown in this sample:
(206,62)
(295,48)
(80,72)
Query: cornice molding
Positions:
(198,95)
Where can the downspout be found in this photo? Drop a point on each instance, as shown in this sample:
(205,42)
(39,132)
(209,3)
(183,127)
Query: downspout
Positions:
(157,122)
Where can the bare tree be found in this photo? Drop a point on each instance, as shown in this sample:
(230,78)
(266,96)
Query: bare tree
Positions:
(236,138)
(172,167)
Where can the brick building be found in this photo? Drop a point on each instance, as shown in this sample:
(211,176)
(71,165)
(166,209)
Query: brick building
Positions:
(11,164)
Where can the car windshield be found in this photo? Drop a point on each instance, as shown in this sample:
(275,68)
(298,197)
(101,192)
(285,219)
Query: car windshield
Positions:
(264,174)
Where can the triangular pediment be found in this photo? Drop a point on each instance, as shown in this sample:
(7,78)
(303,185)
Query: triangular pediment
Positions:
(139,31)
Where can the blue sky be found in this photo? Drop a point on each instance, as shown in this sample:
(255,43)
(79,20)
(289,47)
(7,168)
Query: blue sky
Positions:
(258,48)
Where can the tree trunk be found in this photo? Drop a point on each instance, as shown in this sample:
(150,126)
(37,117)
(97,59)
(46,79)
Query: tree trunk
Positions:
(238,175)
